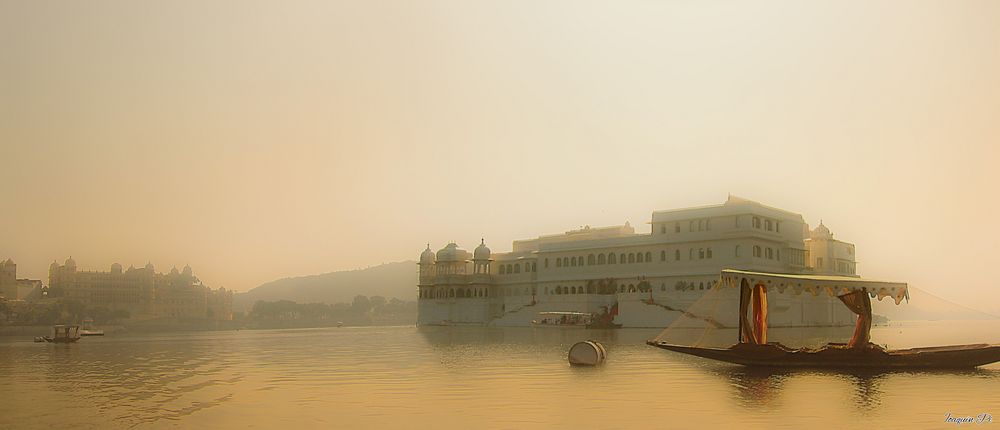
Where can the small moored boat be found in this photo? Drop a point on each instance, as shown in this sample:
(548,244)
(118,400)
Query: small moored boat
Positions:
(64,334)
(89,330)
(752,348)
(563,319)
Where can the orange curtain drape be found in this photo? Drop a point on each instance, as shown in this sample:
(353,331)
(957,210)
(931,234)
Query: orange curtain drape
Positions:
(746,331)
(760,314)
(859,303)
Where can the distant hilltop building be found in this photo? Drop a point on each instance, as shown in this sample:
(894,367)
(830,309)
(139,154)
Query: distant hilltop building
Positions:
(640,276)
(12,288)
(144,293)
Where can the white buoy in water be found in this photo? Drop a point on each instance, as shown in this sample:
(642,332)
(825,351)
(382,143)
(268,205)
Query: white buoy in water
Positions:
(587,353)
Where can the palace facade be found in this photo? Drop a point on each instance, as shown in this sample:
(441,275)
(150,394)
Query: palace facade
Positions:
(647,277)
(142,292)
(12,288)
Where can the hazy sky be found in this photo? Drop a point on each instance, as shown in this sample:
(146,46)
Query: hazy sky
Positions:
(257,140)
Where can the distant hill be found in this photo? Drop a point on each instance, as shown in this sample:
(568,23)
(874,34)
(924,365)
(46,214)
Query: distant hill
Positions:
(389,280)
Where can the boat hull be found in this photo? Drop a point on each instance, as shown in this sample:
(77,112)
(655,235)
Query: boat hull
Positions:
(774,355)
(61,339)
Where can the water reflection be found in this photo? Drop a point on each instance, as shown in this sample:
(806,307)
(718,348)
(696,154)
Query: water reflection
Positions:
(761,386)
(444,336)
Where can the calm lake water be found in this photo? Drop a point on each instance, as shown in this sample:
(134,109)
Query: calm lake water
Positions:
(455,377)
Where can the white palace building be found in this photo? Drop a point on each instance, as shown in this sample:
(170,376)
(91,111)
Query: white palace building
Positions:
(648,277)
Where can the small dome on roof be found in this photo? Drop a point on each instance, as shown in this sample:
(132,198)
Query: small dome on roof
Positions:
(116,268)
(427,257)
(481,252)
(9,262)
(821,232)
(70,262)
(451,252)
(54,265)
(174,271)
(149,266)
(187,270)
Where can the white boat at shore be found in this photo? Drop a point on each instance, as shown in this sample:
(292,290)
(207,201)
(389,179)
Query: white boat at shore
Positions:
(563,319)
(89,330)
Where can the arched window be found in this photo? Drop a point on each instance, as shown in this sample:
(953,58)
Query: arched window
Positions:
(677,255)
(639,258)
(677,227)
(737,251)
(701,225)
(756,251)
(663,255)
(565,261)
(756,222)
(534,267)
(611,258)
(769,253)
(517,268)
(572,261)
(701,253)
(622,259)
(558,262)
(767,225)
(601,259)
(649,257)
(503,269)
(777,226)
(572,290)
(631,288)
(591,260)
(631,258)
(708,253)
(546,262)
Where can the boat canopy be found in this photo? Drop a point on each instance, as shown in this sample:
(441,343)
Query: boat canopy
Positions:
(833,286)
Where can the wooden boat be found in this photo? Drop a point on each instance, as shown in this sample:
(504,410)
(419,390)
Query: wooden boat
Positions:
(753,349)
(64,334)
(840,356)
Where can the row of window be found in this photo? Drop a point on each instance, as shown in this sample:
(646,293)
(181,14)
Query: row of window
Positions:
(508,269)
(632,257)
(706,225)
(442,293)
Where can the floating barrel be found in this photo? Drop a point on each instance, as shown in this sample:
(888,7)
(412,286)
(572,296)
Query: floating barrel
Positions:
(587,353)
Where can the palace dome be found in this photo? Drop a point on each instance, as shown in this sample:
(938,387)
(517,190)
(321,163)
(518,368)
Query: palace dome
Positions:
(481,252)
(70,262)
(821,232)
(451,252)
(427,257)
